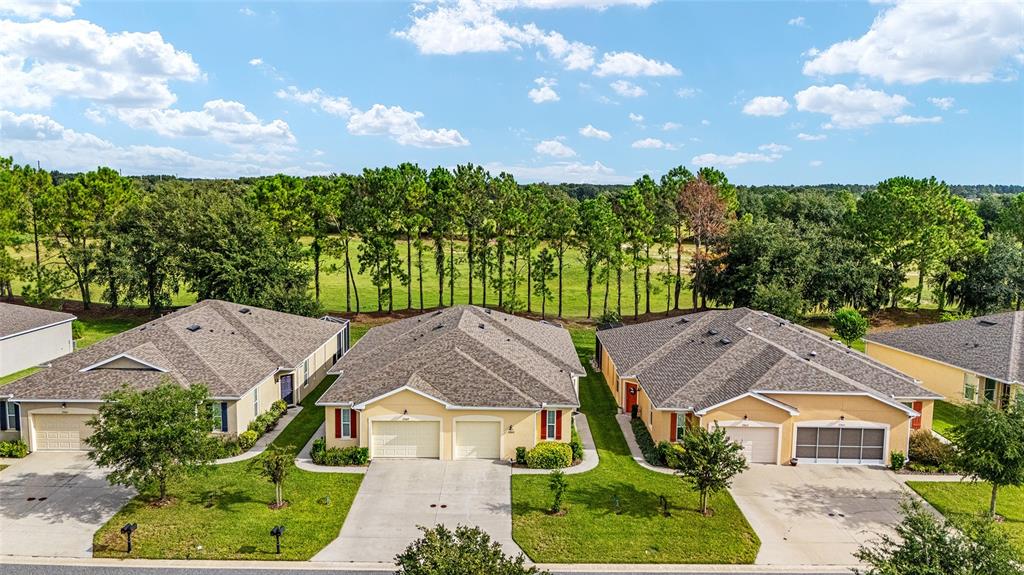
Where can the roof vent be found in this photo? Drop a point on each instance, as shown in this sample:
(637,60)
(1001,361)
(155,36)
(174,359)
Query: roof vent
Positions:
(988,322)
(487,311)
(712,331)
(245,310)
(683,320)
(194,327)
(726,340)
(814,354)
(437,327)
(482,326)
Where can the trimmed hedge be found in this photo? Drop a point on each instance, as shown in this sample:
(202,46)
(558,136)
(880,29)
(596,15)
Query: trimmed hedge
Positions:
(15,448)
(929,454)
(338,456)
(646,443)
(549,455)
(520,455)
(247,439)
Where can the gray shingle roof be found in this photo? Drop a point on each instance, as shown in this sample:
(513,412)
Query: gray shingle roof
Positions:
(706,358)
(15,319)
(988,345)
(465,356)
(229,353)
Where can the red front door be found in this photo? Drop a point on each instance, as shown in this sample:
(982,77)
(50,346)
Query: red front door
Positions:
(631,395)
(916,422)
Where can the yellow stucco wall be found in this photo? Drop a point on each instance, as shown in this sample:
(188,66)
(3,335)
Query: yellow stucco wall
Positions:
(525,424)
(611,376)
(943,379)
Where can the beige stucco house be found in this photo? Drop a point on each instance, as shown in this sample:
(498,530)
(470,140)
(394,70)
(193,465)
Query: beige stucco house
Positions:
(971,360)
(247,357)
(460,383)
(781,390)
(31,337)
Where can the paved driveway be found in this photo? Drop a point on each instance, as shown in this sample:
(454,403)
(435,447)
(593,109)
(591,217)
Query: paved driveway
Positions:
(816,514)
(398,495)
(51,503)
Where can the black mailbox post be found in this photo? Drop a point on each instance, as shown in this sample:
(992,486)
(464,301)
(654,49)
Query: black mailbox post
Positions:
(127,530)
(276,532)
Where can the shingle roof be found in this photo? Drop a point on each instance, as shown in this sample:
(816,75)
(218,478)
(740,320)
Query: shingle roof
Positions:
(230,353)
(15,319)
(988,345)
(465,356)
(706,358)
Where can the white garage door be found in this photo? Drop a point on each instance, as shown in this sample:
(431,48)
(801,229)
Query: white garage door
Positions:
(760,444)
(406,439)
(61,432)
(477,440)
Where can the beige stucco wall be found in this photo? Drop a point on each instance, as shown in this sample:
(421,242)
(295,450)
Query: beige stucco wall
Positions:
(611,376)
(241,412)
(29,410)
(319,362)
(35,348)
(525,424)
(943,379)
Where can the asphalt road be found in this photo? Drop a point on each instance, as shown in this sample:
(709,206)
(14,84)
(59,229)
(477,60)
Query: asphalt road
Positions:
(7,569)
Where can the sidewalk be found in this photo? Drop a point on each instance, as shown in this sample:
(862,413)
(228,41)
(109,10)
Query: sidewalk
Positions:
(634,449)
(590,457)
(305,462)
(262,443)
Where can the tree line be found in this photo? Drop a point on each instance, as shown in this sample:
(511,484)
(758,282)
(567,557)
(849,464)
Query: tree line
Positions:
(267,241)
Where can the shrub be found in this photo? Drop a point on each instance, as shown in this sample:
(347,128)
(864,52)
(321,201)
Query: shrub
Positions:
(549,455)
(247,439)
(279,407)
(643,438)
(263,423)
(557,485)
(575,444)
(671,454)
(316,451)
(521,455)
(897,460)
(464,550)
(339,456)
(229,448)
(926,449)
(849,325)
(77,329)
(15,448)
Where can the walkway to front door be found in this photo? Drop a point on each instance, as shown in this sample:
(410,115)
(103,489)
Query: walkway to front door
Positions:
(398,495)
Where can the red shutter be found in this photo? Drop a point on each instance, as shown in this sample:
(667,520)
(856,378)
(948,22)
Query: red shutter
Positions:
(672,425)
(355,422)
(337,423)
(558,425)
(543,424)
(916,422)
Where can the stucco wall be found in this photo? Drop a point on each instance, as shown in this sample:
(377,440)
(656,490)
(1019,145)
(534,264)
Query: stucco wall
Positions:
(611,376)
(35,348)
(319,362)
(525,424)
(943,379)
(241,412)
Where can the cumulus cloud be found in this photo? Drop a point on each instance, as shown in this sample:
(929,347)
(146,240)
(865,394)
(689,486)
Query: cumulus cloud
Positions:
(631,64)
(256,62)
(544,92)
(246,11)
(627,89)
(225,121)
(589,131)
(36,9)
(555,149)
(733,160)
(766,106)
(687,92)
(811,137)
(652,144)
(669,126)
(636,117)
(595,173)
(333,105)
(850,108)
(774,148)
(815,163)
(906,119)
(914,42)
(943,103)
(799,22)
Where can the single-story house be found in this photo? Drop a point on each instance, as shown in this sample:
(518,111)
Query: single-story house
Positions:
(781,390)
(30,337)
(970,360)
(247,357)
(459,383)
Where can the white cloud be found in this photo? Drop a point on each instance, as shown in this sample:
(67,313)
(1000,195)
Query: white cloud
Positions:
(631,64)
(811,137)
(705,122)
(687,92)
(799,22)
(333,105)
(774,148)
(815,163)
(906,119)
(627,89)
(652,144)
(555,149)
(595,173)
(589,131)
(36,9)
(246,11)
(636,117)
(40,61)
(766,106)
(403,127)
(544,92)
(256,62)
(850,108)
(943,103)
(734,160)
(669,126)
(225,121)
(914,42)
(592,4)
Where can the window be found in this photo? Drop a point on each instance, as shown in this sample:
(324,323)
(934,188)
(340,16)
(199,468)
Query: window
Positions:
(219,411)
(970,387)
(680,426)
(11,416)
(256,401)
(346,423)
(305,372)
(990,389)
(552,423)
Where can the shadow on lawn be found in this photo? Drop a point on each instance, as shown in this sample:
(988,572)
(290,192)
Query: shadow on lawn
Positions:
(632,502)
(221,499)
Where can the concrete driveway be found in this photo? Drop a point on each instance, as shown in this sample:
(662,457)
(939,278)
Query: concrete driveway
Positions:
(51,503)
(817,514)
(398,495)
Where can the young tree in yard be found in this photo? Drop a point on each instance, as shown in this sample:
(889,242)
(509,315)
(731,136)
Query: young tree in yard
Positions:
(705,213)
(543,272)
(148,438)
(990,446)
(926,545)
(709,462)
(274,464)
(849,325)
(464,551)
(558,484)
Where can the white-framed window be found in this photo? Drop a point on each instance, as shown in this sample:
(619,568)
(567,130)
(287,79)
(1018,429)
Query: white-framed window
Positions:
(970,387)
(12,413)
(256,401)
(305,372)
(552,424)
(346,423)
(680,427)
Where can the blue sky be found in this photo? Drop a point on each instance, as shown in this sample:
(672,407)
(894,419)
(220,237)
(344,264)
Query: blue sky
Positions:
(555,90)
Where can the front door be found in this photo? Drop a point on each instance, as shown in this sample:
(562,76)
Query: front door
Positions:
(632,391)
(287,391)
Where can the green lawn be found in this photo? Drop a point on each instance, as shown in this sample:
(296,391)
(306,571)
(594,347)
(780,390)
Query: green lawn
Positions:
(592,531)
(946,416)
(224,513)
(961,501)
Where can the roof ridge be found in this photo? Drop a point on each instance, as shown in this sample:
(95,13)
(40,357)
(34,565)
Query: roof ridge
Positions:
(250,335)
(657,354)
(525,341)
(497,377)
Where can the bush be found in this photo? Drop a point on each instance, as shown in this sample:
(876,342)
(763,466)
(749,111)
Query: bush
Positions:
(247,439)
(643,438)
(549,455)
(15,448)
(279,407)
(77,329)
(849,325)
(576,445)
(229,448)
(264,422)
(316,451)
(521,455)
(464,550)
(338,456)
(671,454)
(897,460)
(926,449)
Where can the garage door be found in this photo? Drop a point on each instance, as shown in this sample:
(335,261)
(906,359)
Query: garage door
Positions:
(406,439)
(846,445)
(477,440)
(760,444)
(61,432)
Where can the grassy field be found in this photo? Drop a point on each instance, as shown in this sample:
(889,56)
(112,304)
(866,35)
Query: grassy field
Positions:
(946,416)
(593,531)
(961,501)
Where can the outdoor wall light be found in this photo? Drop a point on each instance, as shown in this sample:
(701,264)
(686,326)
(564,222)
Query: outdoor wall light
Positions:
(64,406)
(510,430)
(127,531)
(405,412)
(276,533)
(744,417)
(842,418)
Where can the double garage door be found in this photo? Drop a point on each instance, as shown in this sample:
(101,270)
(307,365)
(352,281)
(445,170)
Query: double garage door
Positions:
(61,432)
(847,445)
(422,439)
